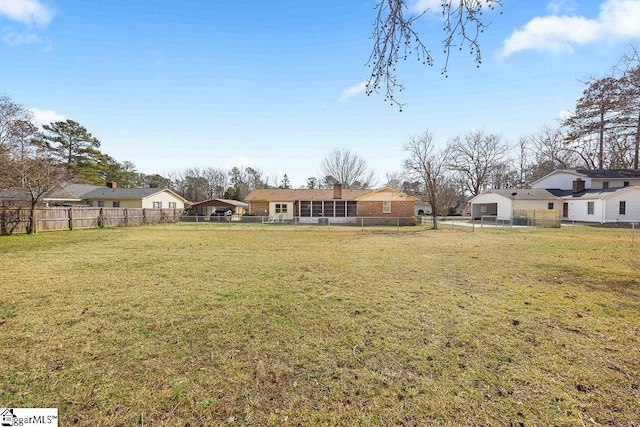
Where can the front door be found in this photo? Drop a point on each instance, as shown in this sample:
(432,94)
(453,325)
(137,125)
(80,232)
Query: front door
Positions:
(565,210)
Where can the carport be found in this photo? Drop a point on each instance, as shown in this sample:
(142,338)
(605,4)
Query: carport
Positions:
(208,207)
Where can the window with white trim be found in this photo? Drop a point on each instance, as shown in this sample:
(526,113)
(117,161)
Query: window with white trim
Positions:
(157,205)
(590,208)
(101,203)
(623,208)
(116,203)
(550,205)
(281,208)
(605,184)
(386,207)
(172,205)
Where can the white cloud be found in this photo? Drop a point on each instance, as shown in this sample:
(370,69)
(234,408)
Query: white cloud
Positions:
(18,39)
(45,117)
(561,6)
(352,91)
(419,6)
(617,20)
(28,12)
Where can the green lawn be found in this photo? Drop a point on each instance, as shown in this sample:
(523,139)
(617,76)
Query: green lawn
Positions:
(210,326)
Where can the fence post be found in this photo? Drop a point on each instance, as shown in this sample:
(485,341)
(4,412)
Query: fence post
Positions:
(398,220)
(71,219)
(362,223)
(144,216)
(101,218)
(126,217)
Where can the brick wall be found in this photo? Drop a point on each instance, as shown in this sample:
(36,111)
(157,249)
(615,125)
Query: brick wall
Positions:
(259,208)
(374,209)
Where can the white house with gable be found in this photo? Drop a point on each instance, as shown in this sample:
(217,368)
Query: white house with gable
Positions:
(603,196)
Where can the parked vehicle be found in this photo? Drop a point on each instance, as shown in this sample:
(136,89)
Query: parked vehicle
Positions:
(218,213)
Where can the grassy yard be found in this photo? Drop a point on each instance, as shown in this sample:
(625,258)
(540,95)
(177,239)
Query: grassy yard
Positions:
(179,326)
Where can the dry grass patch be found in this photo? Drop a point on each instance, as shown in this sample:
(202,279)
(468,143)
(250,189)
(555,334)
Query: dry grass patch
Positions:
(274,327)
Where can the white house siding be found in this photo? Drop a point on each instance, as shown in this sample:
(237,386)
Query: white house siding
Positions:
(612,209)
(578,210)
(165,197)
(617,182)
(561,180)
(503,205)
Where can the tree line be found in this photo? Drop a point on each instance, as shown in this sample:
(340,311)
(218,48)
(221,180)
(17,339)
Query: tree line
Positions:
(603,131)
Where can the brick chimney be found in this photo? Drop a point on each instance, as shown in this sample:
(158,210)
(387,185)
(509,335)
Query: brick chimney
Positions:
(112,184)
(337,191)
(578,186)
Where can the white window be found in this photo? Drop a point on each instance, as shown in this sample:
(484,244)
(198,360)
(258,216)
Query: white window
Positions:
(386,207)
(157,205)
(101,203)
(116,203)
(605,184)
(590,206)
(623,208)
(281,208)
(172,205)
(550,205)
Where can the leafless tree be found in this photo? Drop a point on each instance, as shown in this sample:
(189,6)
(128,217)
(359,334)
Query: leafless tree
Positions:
(629,68)
(395,38)
(394,180)
(11,115)
(39,175)
(474,156)
(429,166)
(549,148)
(217,179)
(348,168)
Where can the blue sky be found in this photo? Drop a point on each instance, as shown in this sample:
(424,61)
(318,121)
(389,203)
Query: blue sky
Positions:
(276,84)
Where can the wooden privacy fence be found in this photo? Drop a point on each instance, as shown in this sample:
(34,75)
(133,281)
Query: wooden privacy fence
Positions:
(548,218)
(16,220)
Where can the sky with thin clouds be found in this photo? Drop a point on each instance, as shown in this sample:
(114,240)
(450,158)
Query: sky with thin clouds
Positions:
(277,85)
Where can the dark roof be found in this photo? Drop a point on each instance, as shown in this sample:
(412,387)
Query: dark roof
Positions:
(79,190)
(56,193)
(221,202)
(610,173)
(15,194)
(290,195)
(597,192)
(531,193)
(122,193)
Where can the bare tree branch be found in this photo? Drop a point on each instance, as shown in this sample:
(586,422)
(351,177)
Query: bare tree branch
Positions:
(395,38)
(348,169)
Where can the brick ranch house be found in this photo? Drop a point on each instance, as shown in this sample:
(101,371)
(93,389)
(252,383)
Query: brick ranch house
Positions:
(338,205)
